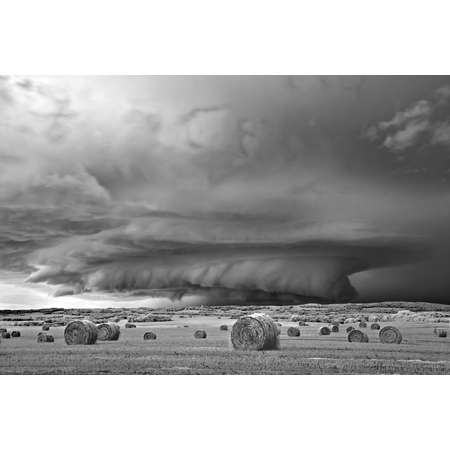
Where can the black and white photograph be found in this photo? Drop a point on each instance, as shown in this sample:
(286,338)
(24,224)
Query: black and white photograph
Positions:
(225,225)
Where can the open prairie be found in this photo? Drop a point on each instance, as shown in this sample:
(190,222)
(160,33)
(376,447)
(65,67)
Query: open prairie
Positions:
(176,351)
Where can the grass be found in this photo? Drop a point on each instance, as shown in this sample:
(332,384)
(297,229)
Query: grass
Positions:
(176,351)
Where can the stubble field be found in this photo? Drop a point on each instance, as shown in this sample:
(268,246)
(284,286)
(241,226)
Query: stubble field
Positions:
(176,351)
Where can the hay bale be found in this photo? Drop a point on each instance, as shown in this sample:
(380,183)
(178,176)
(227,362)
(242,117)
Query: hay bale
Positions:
(130,325)
(335,328)
(149,336)
(45,327)
(362,324)
(348,329)
(81,332)
(15,333)
(43,338)
(324,331)
(109,331)
(390,335)
(223,327)
(441,333)
(302,324)
(375,326)
(293,332)
(357,336)
(200,334)
(255,332)
(3,330)
(6,335)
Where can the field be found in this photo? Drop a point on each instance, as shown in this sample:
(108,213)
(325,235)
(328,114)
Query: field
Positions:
(177,352)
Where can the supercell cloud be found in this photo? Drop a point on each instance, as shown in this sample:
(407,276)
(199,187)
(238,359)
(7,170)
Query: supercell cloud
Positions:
(226,189)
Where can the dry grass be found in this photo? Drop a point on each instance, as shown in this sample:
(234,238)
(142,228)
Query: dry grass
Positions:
(176,352)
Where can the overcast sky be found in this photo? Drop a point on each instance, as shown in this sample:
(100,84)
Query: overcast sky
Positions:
(324,187)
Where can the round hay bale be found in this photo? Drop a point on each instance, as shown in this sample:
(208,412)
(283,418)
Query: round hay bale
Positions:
(109,331)
(255,332)
(15,333)
(149,336)
(335,328)
(302,324)
(324,331)
(45,327)
(390,335)
(80,332)
(223,327)
(357,336)
(375,326)
(6,335)
(200,334)
(348,329)
(130,325)
(362,324)
(3,330)
(293,332)
(43,338)
(441,333)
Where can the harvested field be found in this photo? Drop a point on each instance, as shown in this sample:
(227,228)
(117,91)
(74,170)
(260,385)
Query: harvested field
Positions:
(176,352)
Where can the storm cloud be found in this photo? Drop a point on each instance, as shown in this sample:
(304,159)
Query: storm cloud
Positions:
(227,188)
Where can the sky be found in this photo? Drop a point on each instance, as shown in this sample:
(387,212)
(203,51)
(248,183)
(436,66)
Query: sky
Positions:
(223,189)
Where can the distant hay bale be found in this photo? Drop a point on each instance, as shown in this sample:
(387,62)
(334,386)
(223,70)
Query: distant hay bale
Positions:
(223,327)
(15,333)
(255,332)
(362,324)
(375,326)
(348,329)
(149,336)
(81,332)
(43,338)
(293,332)
(335,328)
(45,327)
(3,330)
(108,331)
(390,335)
(302,324)
(200,334)
(441,333)
(130,325)
(294,318)
(324,331)
(357,336)
(6,335)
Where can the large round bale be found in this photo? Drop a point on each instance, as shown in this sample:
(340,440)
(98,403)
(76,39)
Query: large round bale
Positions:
(200,334)
(348,329)
(375,326)
(441,333)
(130,325)
(223,327)
(324,331)
(45,327)
(6,335)
(255,332)
(293,332)
(109,331)
(81,332)
(149,336)
(15,333)
(357,336)
(302,323)
(362,324)
(335,328)
(390,335)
